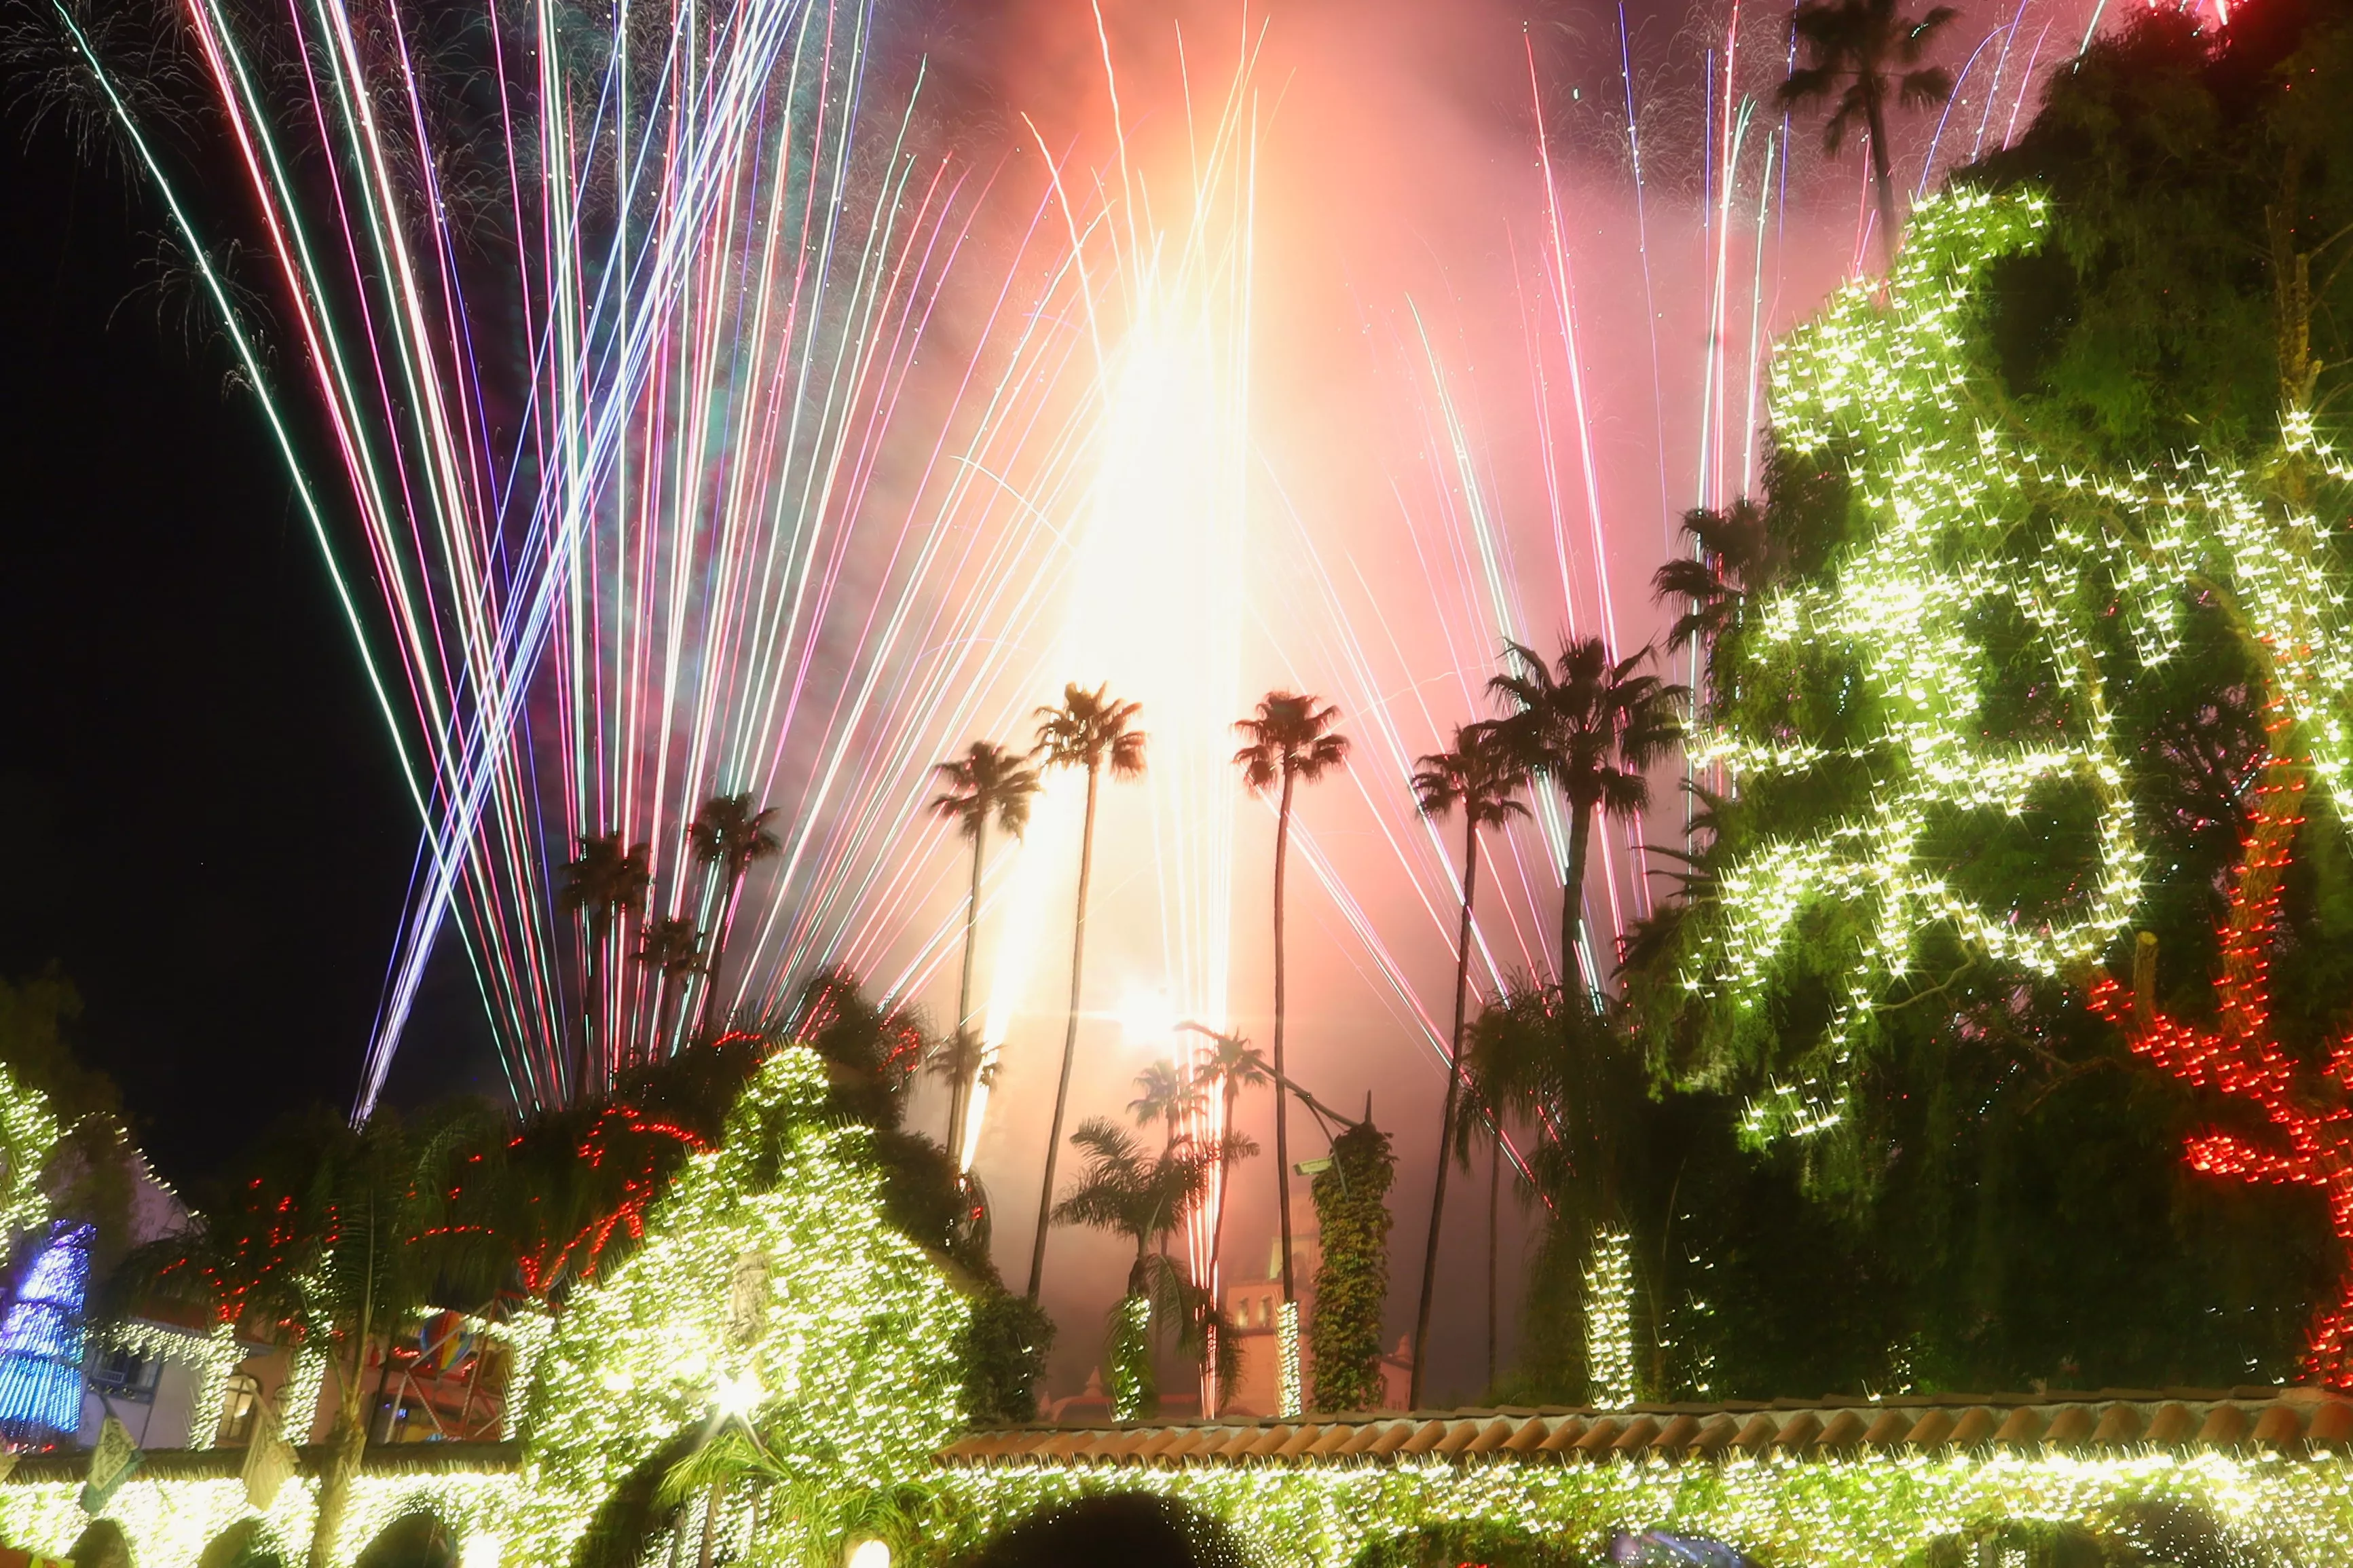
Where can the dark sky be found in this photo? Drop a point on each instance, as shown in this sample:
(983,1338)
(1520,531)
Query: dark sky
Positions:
(207,829)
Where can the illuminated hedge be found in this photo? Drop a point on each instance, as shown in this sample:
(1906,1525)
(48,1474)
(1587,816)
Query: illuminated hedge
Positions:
(1965,515)
(1867,1513)
(844,1361)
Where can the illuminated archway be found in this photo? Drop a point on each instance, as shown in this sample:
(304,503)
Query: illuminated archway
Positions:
(416,1540)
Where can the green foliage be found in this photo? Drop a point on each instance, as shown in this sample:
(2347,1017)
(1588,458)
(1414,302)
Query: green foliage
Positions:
(1344,1333)
(1478,1541)
(1004,1352)
(2148,324)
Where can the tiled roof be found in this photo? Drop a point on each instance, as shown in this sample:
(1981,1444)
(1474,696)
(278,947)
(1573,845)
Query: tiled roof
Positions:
(2291,1419)
(218,1464)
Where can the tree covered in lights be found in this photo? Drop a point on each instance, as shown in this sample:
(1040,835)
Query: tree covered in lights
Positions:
(772,1287)
(2042,694)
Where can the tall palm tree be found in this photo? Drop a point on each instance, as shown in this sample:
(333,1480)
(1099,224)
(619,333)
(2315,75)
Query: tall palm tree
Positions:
(671,947)
(1875,53)
(605,883)
(1291,741)
(1095,731)
(728,835)
(1591,729)
(986,781)
(1143,1197)
(1480,778)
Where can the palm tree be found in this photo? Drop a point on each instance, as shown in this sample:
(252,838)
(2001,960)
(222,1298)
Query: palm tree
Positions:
(1480,778)
(605,882)
(1091,729)
(1737,556)
(1142,1197)
(1231,1066)
(986,781)
(1291,741)
(671,947)
(1876,53)
(729,835)
(960,1059)
(338,1233)
(1481,1120)
(1591,730)
(1166,1094)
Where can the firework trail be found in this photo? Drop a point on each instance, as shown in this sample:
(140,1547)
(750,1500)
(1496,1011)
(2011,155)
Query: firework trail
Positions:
(613,320)
(1517,519)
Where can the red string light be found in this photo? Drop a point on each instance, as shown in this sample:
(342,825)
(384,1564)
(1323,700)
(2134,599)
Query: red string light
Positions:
(2239,1059)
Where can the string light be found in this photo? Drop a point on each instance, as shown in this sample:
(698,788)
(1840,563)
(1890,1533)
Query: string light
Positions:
(1609,1318)
(1291,1392)
(1870,1510)
(851,1376)
(1968,516)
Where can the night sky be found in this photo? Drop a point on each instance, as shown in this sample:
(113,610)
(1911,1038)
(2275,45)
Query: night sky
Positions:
(206,828)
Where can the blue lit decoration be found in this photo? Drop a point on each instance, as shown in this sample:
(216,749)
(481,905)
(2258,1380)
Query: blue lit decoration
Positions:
(41,1343)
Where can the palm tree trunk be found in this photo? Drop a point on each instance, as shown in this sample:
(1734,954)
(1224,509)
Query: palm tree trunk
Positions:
(1070,1041)
(963,994)
(1281,1120)
(588,1009)
(1495,1197)
(1213,1393)
(1446,1118)
(1884,183)
(719,949)
(336,1484)
(1572,901)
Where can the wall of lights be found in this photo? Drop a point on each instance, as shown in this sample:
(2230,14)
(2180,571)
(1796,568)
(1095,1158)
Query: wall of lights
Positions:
(1609,1318)
(1864,1513)
(768,1287)
(1967,514)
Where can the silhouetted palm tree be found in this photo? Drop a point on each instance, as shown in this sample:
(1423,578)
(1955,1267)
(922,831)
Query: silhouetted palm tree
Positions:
(671,947)
(986,781)
(1231,1066)
(1877,54)
(1291,741)
(1737,558)
(957,1059)
(1480,778)
(1143,1198)
(1165,1093)
(1094,730)
(728,835)
(605,883)
(1591,730)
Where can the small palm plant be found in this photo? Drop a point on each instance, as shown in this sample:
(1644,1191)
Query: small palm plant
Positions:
(1143,1197)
